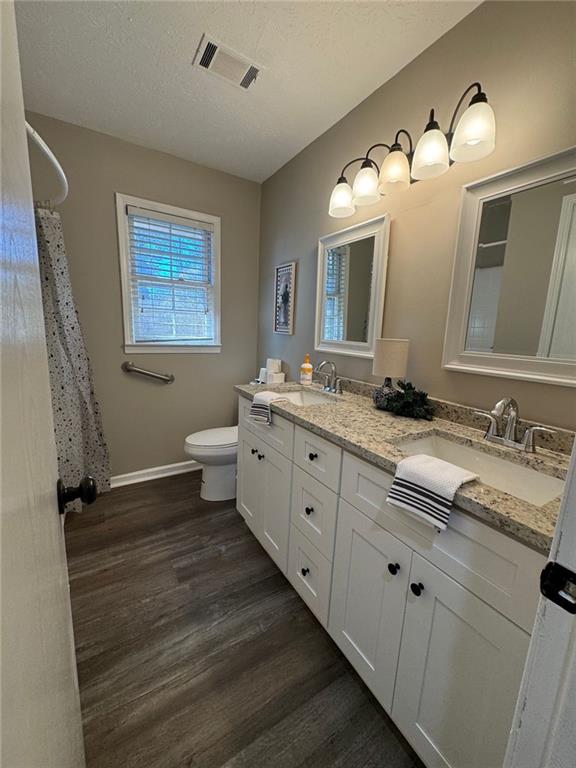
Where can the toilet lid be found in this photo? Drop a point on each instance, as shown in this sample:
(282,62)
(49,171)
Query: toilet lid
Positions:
(221,437)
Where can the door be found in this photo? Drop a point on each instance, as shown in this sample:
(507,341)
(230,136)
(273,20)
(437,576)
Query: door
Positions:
(371,570)
(460,668)
(41,725)
(543,732)
(250,478)
(274,524)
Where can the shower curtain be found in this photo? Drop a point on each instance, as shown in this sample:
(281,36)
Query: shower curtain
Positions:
(80,441)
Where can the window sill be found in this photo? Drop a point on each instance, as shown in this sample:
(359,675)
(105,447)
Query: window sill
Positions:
(162,349)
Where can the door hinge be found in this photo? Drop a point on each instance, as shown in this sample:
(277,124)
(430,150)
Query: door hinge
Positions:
(558,584)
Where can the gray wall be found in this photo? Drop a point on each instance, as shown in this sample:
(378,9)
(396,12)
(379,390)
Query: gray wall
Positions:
(145,423)
(523,53)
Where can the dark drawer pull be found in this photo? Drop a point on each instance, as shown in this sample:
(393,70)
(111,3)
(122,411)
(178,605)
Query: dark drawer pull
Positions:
(305,571)
(393,568)
(417,589)
(309,510)
(260,456)
(312,456)
(253,451)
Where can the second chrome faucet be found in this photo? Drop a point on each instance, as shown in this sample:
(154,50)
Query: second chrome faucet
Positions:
(507,409)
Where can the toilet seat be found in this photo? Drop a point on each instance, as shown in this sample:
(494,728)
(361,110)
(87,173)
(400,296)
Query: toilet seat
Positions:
(221,437)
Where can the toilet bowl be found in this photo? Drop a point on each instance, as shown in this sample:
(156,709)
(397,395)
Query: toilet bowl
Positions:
(216,450)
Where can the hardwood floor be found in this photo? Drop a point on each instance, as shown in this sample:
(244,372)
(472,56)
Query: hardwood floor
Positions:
(194,651)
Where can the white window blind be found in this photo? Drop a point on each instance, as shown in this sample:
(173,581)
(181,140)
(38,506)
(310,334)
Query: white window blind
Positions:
(172,276)
(335,301)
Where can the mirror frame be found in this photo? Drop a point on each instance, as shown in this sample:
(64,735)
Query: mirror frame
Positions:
(379,228)
(455,356)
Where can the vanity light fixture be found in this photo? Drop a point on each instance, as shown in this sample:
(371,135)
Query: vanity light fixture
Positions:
(473,138)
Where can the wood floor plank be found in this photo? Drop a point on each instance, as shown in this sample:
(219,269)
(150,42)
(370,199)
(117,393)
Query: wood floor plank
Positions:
(193,650)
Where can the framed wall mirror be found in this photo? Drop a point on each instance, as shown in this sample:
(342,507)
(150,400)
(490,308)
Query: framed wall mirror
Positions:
(512,309)
(350,288)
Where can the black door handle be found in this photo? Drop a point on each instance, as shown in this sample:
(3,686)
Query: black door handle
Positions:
(417,589)
(393,568)
(86,491)
(312,456)
(305,571)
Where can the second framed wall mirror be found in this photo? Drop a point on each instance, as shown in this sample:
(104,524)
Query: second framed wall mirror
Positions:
(350,290)
(513,299)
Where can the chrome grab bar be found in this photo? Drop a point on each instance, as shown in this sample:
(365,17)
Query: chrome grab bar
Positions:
(129,367)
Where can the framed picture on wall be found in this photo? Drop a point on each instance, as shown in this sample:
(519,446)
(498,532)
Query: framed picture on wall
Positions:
(284,289)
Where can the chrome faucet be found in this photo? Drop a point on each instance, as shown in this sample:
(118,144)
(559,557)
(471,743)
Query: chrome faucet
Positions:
(332,381)
(510,439)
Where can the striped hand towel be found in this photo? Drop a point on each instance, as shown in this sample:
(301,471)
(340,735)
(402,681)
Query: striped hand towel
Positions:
(426,487)
(260,408)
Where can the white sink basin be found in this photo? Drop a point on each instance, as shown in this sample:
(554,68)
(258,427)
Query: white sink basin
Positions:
(523,483)
(306,397)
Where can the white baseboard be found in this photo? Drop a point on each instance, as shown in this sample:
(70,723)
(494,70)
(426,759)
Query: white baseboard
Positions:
(153,473)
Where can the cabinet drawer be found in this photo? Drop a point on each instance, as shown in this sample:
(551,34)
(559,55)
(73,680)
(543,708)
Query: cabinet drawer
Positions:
(280,435)
(314,511)
(318,457)
(310,574)
(495,567)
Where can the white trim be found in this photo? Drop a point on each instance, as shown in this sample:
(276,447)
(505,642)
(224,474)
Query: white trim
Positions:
(154,473)
(122,201)
(455,357)
(379,228)
(561,257)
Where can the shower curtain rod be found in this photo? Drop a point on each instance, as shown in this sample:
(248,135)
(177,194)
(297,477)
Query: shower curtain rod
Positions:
(39,141)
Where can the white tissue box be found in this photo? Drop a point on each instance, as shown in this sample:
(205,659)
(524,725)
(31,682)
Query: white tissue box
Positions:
(275,378)
(273,365)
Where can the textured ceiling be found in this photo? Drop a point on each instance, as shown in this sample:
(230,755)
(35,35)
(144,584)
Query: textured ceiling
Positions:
(124,68)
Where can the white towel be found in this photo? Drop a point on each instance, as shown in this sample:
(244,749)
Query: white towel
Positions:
(426,487)
(260,408)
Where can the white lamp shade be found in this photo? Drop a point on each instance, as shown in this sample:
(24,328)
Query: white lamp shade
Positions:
(394,174)
(365,188)
(391,358)
(431,155)
(341,203)
(475,135)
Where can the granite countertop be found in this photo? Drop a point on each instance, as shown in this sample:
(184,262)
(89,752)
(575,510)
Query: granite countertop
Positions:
(352,422)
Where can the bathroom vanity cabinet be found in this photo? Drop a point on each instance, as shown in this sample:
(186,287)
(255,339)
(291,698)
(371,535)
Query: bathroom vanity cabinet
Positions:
(436,624)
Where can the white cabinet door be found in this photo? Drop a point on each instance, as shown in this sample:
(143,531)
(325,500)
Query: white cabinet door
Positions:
(459,672)
(274,512)
(250,479)
(371,571)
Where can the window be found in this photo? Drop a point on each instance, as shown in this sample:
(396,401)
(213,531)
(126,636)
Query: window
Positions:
(336,299)
(170,269)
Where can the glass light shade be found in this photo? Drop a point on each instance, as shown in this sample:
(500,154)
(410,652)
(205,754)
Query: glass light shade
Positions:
(394,174)
(475,135)
(365,188)
(341,203)
(431,155)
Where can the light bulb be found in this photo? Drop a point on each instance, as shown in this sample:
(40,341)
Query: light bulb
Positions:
(475,135)
(365,188)
(341,203)
(431,155)
(395,172)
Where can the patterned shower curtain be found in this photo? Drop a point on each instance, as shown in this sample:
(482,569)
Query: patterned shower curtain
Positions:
(80,441)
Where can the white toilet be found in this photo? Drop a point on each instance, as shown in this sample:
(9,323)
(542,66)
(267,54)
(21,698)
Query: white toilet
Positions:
(216,449)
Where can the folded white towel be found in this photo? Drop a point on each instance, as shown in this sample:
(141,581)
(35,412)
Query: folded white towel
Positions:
(426,487)
(260,408)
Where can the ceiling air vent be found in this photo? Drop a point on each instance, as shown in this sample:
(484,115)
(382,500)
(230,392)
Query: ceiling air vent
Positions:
(226,63)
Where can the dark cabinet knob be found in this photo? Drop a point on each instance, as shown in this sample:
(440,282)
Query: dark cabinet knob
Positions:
(305,571)
(393,568)
(308,510)
(260,456)
(86,491)
(417,589)
(253,451)
(312,456)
